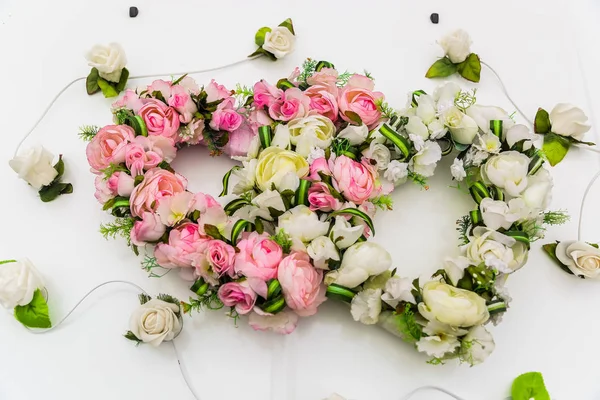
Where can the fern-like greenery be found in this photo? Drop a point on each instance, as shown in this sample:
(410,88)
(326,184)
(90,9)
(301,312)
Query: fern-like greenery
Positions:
(111,169)
(283,240)
(465,99)
(343,78)
(209,300)
(418,179)
(149,264)
(464,225)
(309,66)
(121,227)
(383,202)
(87,132)
(385,109)
(556,217)
(408,326)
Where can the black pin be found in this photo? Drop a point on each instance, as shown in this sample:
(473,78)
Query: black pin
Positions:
(133,12)
(435,18)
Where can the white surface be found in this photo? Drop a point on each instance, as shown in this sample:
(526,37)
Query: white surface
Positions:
(544,53)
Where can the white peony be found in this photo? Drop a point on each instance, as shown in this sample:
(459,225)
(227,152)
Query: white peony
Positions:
(456,45)
(321,250)
(455,268)
(396,172)
(280,41)
(452,306)
(280,168)
(311,131)
(360,261)
(495,249)
(415,126)
(18,282)
(155,321)
(437,346)
(425,161)
(508,171)
(366,306)
(482,115)
(108,60)
(355,134)
(538,193)
(478,344)
(457,169)
(462,127)
(581,258)
(518,133)
(398,289)
(302,223)
(378,152)
(34,165)
(343,234)
(568,120)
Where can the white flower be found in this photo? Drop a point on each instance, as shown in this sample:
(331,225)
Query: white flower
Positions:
(462,127)
(482,115)
(396,172)
(108,60)
(538,193)
(355,134)
(173,209)
(497,214)
(34,166)
(425,161)
(520,132)
(437,129)
(311,131)
(280,41)
(360,261)
(581,258)
(321,250)
(452,306)
(302,223)
(486,244)
(281,168)
(475,157)
(455,268)
(343,234)
(478,344)
(457,170)
(315,153)
(18,282)
(260,206)
(398,289)
(366,306)
(426,109)
(436,328)
(456,45)
(418,142)
(155,321)
(488,142)
(415,126)
(444,95)
(253,149)
(568,120)
(378,152)
(507,170)
(281,137)
(246,176)
(436,346)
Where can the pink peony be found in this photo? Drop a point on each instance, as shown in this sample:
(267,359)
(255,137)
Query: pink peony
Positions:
(215,92)
(325,77)
(323,101)
(226,118)
(358,103)
(321,199)
(319,165)
(108,146)
(182,102)
(238,295)
(161,86)
(265,94)
(220,257)
(129,101)
(239,141)
(301,284)
(283,322)
(137,159)
(160,119)
(119,184)
(185,245)
(149,229)
(259,256)
(353,179)
(292,104)
(157,183)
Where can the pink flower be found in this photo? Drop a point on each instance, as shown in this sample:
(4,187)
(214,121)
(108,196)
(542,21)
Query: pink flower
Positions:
(239,141)
(160,119)
(182,102)
(108,146)
(157,183)
(159,144)
(294,75)
(211,211)
(357,101)
(149,229)
(189,84)
(301,284)
(292,104)
(129,101)
(215,92)
(319,165)
(185,245)
(221,257)
(137,159)
(326,77)
(259,256)
(283,322)
(265,94)
(353,179)
(238,295)
(192,132)
(368,208)
(173,209)
(119,184)
(161,86)
(320,198)
(323,101)
(258,118)
(202,202)
(225,118)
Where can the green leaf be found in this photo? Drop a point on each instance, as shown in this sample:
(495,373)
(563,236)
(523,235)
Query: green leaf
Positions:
(91,82)
(238,228)
(259,38)
(542,121)
(144,298)
(470,69)
(529,386)
(130,336)
(550,249)
(59,167)
(288,24)
(7,261)
(213,232)
(123,80)
(55,189)
(34,314)
(107,89)
(555,147)
(226,180)
(441,68)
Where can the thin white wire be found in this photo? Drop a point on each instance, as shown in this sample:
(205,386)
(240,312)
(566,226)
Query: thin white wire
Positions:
(585,194)
(430,387)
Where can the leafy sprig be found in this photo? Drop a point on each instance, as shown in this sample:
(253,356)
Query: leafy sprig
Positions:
(309,66)
(111,169)
(149,264)
(418,179)
(343,78)
(556,217)
(121,227)
(385,109)
(464,225)
(208,300)
(465,99)
(130,336)
(384,202)
(408,326)
(87,132)
(283,240)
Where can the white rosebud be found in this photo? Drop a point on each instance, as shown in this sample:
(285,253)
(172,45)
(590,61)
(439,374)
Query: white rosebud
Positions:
(321,250)
(311,131)
(378,152)
(457,169)
(437,346)
(415,126)
(444,95)
(518,133)
(538,193)
(581,258)
(343,234)
(488,142)
(280,41)
(396,172)
(487,246)
(355,134)
(366,306)
(478,344)
(425,161)
(452,306)
(302,223)
(108,60)
(462,127)
(155,322)
(455,268)
(482,115)
(18,282)
(398,289)
(360,261)
(568,120)
(34,165)
(507,170)
(456,45)
(437,130)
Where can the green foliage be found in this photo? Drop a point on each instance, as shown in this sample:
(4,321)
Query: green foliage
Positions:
(470,69)
(441,68)
(465,99)
(108,90)
(242,94)
(385,109)
(529,386)
(149,264)
(343,78)
(111,169)
(87,132)
(208,300)
(130,336)
(555,147)
(309,66)
(542,122)
(283,240)
(342,147)
(556,217)
(144,298)
(436,361)
(91,82)
(408,326)
(550,249)
(384,202)
(464,225)
(418,179)
(121,227)
(168,299)
(35,314)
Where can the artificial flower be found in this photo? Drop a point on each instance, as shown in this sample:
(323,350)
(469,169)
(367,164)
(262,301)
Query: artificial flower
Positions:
(18,282)
(301,284)
(320,198)
(498,214)
(303,224)
(34,166)
(538,193)
(455,268)
(437,346)
(160,119)
(366,306)
(353,179)
(415,126)
(477,345)
(453,306)
(568,120)
(456,45)
(354,134)
(155,322)
(149,229)
(157,184)
(495,249)
(283,322)
(109,60)
(344,234)
(482,115)
(398,289)
(462,127)
(277,166)
(310,131)
(396,172)
(259,256)
(185,245)
(507,170)
(358,102)
(360,261)
(379,153)
(581,258)
(279,41)
(108,146)
(425,161)
(457,169)
(238,295)
(321,249)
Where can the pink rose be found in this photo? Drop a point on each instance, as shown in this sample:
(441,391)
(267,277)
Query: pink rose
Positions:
(259,256)
(119,184)
(319,165)
(320,198)
(238,295)
(182,102)
(225,118)
(108,146)
(326,77)
(221,257)
(292,104)
(157,183)
(161,86)
(185,245)
(129,101)
(160,119)
(265,94)
(283,322)
(357,100)
(353,179)
(301,284)
(239,141)
(323,101)
(215,92)
(137,159)
(149,229)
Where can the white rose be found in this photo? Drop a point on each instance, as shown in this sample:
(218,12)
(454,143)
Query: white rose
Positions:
(495,249)
(455,268)
(18,282)
(280,41)
(457,170)
(436,129)
(444,95)
(378,152)
(343,234)
(538,193)
(581,258)
(302,223)
(398,289)
(396,172)
(478,344)
(155,321)
(426,109)
(497,214)
(415,126)
(520,132)
(452,306)
(508,171)
(360,261)
(568,120)
(366,306)
(355,134)
(34,166)
(108,60)
(309,132)
(456,45)
(437,346)
(462,127)
(488,142)
(321,250)
(482,115)
(246,176)
(425,161)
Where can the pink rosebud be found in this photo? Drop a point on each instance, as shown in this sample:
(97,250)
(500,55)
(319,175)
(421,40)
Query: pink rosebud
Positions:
(301,284)
(283,322)
(320,198)
(160,119)
(259,256)
(319,165)
(220,257)
(292,104)
(323,101)
(294,75)
(161,86)
(258,118)
(265,94)
(129,101)
(182,102)
(108,146)
(353,179)
(238,295)
(185,245)
(119,184)
(225,118)
(149,229)
(326,77)
(239,141)
(137,159)
(103,192)
(189,84)
(215,92)
(157,183)
(357,100)
(202,202)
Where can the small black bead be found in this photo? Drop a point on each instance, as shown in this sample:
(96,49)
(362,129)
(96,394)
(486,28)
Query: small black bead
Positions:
(133,12)
(435,18)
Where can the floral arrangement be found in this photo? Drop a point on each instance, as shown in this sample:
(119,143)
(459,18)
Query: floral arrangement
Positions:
(108,73)
(458,58)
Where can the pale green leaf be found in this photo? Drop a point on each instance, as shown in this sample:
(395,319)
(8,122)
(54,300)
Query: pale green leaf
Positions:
(34,314)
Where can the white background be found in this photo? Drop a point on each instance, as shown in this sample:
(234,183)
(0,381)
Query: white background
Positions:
(545,51)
